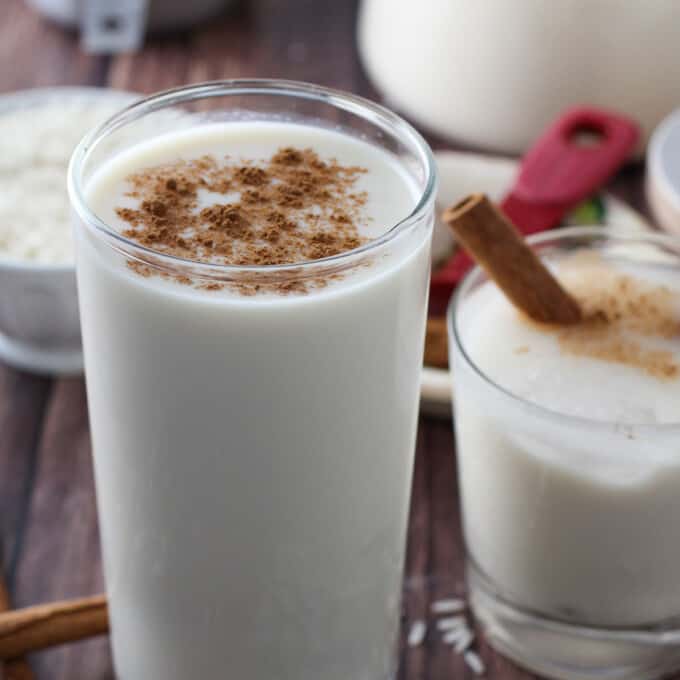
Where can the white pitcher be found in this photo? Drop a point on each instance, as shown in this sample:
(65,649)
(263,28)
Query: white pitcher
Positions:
(493,73)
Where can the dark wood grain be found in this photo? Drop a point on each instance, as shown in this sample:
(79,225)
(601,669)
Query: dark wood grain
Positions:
(33,53)
(49,528)
(22,403)
(414,662)
(446,551)
(61,558)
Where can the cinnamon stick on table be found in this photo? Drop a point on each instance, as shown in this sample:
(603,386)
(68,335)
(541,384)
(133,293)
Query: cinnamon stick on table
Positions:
(33,628)
(436,343)
(492,240)
(15,669)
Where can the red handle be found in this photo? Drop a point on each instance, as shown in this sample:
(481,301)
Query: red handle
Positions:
(559,169)
(557,174)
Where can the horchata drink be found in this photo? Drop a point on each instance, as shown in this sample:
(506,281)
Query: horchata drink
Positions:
(253,266)
(569,460)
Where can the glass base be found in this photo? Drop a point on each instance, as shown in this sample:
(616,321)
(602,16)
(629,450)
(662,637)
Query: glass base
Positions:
(566,651)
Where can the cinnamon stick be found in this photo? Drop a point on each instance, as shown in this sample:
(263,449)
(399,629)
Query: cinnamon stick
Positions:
(33,628)
(436,343)
(491,239)
(14,669)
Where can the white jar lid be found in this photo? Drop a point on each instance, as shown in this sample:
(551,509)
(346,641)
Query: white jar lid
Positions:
(663,173)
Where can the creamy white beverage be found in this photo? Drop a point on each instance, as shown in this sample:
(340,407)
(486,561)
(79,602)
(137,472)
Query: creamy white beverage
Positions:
(568,459)
(254,437)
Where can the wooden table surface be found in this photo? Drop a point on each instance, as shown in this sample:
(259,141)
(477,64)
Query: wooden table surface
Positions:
(47,504)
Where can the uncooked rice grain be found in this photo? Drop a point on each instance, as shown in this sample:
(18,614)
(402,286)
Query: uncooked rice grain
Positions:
(474,662)
(451,637)
(464,642)
(449,606)
(417,633)
(451,622)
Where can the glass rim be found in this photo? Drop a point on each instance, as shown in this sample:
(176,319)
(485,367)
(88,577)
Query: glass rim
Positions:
(538,410)
(374,113)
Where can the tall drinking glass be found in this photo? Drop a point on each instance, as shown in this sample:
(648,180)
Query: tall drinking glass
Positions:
(253,453)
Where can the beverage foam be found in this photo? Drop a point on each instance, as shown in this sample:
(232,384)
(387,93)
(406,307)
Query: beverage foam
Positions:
(609,374)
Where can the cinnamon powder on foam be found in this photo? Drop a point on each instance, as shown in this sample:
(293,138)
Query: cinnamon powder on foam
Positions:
(292,208)
(618,311)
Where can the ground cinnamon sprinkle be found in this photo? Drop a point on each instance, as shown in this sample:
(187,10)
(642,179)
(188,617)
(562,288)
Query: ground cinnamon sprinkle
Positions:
(619,310)
(291,208)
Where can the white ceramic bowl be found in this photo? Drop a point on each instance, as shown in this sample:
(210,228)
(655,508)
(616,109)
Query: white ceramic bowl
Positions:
(39,324)
(663,173)
(39,327)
